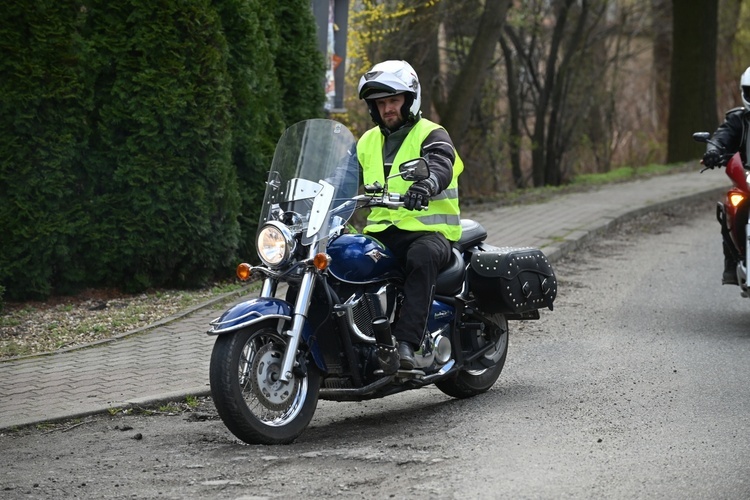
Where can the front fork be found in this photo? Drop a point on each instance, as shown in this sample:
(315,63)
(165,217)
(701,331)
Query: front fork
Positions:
(299,316)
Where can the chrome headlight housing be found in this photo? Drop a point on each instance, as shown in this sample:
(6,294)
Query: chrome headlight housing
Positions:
(275,244)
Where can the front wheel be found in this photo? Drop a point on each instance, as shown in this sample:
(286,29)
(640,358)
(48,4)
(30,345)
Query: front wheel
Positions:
(483,372)
(252,401)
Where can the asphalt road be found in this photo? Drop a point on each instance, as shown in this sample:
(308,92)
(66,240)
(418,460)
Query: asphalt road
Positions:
(636,386)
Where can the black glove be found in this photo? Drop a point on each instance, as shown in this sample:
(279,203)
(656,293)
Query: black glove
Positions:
(712,158)
(418,196)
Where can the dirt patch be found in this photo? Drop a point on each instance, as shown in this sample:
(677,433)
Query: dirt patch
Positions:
(65,322)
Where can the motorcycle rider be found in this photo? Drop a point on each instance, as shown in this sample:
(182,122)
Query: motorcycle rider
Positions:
(731,137)
(419,234)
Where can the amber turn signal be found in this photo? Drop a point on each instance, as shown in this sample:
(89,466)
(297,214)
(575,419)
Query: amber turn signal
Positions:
(735,199)
(243,271)
(321,261)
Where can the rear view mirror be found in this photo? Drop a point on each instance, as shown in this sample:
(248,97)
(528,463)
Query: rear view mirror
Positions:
(701,136)
(414,170)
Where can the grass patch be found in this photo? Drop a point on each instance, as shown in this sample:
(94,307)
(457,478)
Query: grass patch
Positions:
(12,348)
(232,287)
(170,408)
(623,174)
(581,182)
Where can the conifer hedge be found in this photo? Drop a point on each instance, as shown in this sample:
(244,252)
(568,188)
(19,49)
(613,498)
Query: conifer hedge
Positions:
(298,62)
(136,136)
(255,86)
(44,100)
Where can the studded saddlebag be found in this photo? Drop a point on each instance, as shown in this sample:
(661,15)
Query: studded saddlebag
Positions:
(511,280)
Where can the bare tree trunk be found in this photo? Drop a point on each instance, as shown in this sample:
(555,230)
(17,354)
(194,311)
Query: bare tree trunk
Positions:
(539,136)
(417,43)
(469,81)
(729,65)
(552,168)
(662,61)
(412,38)
(514,107)
(692,104)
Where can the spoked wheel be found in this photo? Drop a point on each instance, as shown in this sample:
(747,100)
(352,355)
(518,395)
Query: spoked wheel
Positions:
(484,371)
(246,387)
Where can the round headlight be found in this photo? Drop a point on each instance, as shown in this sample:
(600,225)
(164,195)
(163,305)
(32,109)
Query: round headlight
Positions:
(275,244)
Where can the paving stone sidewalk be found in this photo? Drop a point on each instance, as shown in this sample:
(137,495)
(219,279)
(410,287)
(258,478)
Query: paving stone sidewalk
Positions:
(170,361)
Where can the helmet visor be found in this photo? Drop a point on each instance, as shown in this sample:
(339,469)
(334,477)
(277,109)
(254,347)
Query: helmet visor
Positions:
(377,94)
(376,90)
(376,84)
(746,93)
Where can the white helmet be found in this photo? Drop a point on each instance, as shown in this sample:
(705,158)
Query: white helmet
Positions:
(745,88)
(391,78)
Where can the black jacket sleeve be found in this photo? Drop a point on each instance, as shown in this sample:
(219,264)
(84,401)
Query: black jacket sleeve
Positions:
(729,133)
(438,150)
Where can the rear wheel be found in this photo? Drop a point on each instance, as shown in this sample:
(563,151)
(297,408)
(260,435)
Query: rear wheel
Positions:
(483,372)
(252,401)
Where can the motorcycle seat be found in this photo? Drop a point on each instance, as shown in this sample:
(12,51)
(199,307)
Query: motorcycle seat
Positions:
(472,233)
(450,280)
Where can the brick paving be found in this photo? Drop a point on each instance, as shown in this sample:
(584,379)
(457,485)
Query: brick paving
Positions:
(170,361)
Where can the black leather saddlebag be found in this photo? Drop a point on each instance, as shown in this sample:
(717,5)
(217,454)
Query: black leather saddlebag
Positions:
(512,280)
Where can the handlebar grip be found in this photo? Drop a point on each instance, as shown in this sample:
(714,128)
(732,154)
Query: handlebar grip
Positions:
(393,200)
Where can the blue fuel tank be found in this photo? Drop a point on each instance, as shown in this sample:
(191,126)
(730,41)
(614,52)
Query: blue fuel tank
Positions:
(360,258)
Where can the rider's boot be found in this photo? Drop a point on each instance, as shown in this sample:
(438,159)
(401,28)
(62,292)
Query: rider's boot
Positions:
(406,355)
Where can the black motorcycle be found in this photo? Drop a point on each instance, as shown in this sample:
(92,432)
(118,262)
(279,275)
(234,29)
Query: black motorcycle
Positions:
(321,325)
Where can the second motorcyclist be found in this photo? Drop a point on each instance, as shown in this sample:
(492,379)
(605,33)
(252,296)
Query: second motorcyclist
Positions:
(731,137)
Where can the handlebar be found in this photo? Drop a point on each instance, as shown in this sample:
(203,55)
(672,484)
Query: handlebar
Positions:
(705,137)
(391,200)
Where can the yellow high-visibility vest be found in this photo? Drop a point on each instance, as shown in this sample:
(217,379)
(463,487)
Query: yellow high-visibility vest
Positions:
(442,215)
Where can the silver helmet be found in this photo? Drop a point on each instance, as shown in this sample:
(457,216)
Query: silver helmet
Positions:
(744,88)
(391,78)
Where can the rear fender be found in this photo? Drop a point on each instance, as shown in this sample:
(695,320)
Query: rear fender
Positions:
(257,310)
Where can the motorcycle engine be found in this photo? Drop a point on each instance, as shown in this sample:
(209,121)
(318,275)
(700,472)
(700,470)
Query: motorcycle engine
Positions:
(368,302)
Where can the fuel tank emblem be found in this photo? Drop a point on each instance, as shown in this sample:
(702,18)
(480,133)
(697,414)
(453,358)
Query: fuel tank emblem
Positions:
(376,255)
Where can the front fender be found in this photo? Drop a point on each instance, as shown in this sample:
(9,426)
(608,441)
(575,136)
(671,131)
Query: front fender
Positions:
(250,312)
(261,309)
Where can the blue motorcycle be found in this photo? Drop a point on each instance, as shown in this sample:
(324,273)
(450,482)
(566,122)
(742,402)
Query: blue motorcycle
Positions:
(321,325)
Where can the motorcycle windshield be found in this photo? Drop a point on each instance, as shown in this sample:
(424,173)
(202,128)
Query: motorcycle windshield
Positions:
(314,176)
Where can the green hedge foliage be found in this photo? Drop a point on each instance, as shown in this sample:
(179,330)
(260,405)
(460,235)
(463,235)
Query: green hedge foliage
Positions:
(44,102)
(255,85)
(136,137)
(299,64)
